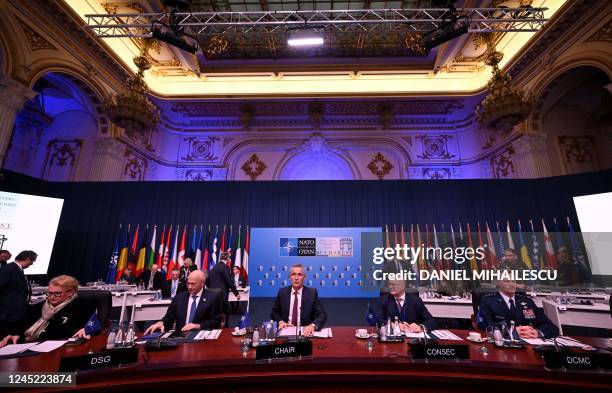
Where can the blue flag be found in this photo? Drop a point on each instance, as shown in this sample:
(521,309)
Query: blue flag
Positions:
(371,317)
(245,321)
(112,266)
(93,326)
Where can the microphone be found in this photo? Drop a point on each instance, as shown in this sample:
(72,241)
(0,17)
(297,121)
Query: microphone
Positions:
(297,327)
(425,337)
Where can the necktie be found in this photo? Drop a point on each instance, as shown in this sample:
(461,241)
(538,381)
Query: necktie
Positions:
(398,302)
(194,305)
(294,313)
(151,280)
(512,309)
(173,291)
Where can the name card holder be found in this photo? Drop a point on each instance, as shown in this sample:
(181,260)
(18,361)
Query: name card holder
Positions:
(567,360)
(105,359)
(284,351)
(439,352)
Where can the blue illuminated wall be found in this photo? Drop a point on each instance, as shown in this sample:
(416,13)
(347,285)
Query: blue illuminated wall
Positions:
(332,276)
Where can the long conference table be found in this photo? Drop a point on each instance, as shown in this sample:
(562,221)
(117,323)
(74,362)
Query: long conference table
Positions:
(339,364)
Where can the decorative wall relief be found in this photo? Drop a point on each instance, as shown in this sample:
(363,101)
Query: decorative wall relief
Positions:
(201,149)
(578,153)
(380,166)
(253,167)
(434,173)
(35,40)
(62,159)
(435,147)
(135,166)
(502,165)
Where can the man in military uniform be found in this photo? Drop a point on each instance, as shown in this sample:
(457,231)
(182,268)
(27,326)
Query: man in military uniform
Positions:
(506,305)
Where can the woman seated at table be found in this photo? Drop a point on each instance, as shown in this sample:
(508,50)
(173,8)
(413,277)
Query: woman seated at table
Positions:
(61,316)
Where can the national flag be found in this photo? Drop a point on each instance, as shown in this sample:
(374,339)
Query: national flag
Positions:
(414,258)
(181,255)
(160,252)
(484,263)
(387,239)
(206,246)
(93,325)
(428,259)
(213,249)
(402,236)
(134,248)
(112,265)
(501,247)
(444,243)
(245,257)
(492,251)
(151,249)
(142,253)
(371,317)
(167,250)
(198,249)
(245,320)
(238,259)
(193,244)
(558,237)
(437,261)
(395,241)
(583,272)
(470,244)
(420,243)
(222,244)
(550,257)
(536,253)
(123,254)
(174,256)
(229,248)
(524,251)
(509,234)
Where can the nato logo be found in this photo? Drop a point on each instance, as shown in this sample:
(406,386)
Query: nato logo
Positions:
(288,247)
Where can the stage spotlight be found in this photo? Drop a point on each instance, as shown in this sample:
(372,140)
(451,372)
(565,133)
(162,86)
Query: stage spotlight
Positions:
(174,39)
(181,5)
(308,37)
(446,32)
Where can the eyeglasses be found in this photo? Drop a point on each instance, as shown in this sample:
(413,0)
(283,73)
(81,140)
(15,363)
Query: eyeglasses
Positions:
(56,294)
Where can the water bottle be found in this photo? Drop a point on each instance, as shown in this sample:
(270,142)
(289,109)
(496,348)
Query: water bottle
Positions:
(158,294)
(129,337)
(119,338)
(383,333)
(255,338)
(110,341)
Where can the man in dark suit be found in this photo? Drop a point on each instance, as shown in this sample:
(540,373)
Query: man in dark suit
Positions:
(196,308)
(5,255)
(15,292)
(410,309)
(63,315)
(152,279)
(174,286)
(220,277)
(506,305)
(298,304)
(238,279)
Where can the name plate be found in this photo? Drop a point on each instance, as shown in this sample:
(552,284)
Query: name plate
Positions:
(440,352)
(283,351)
(100,360)
(571,360)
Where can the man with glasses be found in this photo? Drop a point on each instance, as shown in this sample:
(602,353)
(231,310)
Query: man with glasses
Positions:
(15,292)
(61,316)
(195,309)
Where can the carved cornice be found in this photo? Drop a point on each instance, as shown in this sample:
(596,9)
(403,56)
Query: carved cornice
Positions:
(14,94)
(604,34)
(35,40)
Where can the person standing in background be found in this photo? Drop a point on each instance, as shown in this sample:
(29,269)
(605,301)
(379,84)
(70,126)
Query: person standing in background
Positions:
(15,292)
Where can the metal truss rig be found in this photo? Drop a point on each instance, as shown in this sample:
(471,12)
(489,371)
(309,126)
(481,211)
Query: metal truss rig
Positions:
(482,20)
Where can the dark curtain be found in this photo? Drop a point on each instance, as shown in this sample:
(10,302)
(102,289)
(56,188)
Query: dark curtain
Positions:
(92,211)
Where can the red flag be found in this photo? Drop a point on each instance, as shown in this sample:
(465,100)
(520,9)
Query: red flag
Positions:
(180,261)
(470,244)
(492,251)
(551,258)
(134,247)
(484,264)
(244,269)
(222,249)
(387,240)
(160,251)
(206,251)
(166,257)
(174,256)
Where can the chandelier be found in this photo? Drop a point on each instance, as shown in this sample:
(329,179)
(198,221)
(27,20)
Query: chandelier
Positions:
(504,106)
(132,110)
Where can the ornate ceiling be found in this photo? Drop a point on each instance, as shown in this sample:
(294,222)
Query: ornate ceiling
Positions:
(373,64)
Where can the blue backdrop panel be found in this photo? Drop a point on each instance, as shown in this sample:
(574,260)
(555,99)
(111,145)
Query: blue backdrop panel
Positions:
(274,250)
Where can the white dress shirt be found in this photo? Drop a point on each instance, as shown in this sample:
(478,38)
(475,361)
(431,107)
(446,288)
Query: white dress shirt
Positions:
(190,300)
(299,307)
(401,300)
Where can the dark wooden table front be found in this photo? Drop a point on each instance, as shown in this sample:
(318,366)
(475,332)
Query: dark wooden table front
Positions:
(339,364)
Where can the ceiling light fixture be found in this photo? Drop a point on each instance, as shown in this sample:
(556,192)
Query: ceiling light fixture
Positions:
(307,37)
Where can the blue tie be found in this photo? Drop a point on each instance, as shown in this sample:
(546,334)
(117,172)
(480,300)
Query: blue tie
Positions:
(173,292)
(192,312)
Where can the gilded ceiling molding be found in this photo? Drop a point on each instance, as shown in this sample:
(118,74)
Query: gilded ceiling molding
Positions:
(35,40)
(380,166)
(254,167)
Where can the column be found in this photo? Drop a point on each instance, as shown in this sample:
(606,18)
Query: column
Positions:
(13,96)
(531,156)
(108,160)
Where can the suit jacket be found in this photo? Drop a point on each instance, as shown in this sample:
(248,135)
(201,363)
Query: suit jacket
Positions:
(167,287)
(157,279)
(312,309)
(493,307)
(15,294)
(413,310)
(208,313)
(220,277)
(184,271)
(130,280)
(65,323)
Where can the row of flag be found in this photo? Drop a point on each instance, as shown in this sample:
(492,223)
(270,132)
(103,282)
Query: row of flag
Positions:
(534,249)
(143,246)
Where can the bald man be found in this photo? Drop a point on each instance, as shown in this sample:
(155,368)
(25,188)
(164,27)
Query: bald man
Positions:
(194,309)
